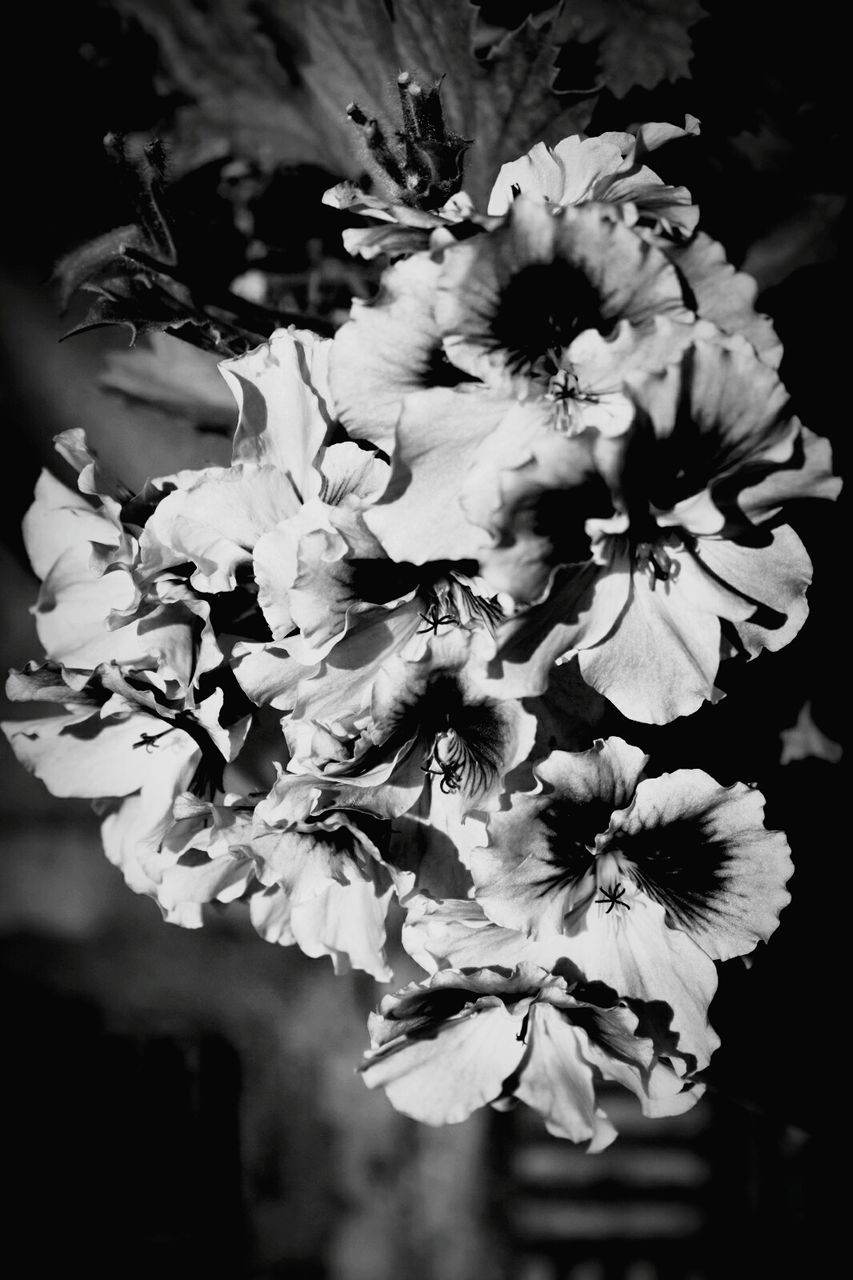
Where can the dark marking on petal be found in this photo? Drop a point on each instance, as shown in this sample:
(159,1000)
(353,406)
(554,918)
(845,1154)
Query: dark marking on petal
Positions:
(681,865)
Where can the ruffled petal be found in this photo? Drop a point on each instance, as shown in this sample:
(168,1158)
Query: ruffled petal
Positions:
(79,754)
(216,521)
(562,176)
(346,922)
(337,888)
(269,912)
(661,1091)
(539,848)
(133,833)
(517,490)
(661,659)
(420,517)
(389,348)
(702,852)
(457,934)
(444,1077)
(497,322)
(716,409)
(583,606)
(201,880)
(282,391)
(724,295)
(73,612)
(776,577)
(631,949)
(808,474)
(557,1081)
(58,519)
(430,845)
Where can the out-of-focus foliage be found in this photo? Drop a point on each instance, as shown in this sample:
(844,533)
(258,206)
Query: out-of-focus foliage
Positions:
(269,80)
(638,43)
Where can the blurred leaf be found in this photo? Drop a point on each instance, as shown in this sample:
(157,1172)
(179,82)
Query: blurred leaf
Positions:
(809,235)
(137,279)
(271,79)
(175,377)
(642,42)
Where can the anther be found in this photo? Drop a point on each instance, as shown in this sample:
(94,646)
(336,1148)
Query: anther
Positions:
(657,560)
(435,619)
(149,740)
(613,897)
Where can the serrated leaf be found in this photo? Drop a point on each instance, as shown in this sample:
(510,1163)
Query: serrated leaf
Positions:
(271,80)
(642,42)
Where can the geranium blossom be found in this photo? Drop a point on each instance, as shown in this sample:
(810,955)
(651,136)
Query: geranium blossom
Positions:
(425,720)
(499,309)
(463,1040)
(93,605)
(443,932)
(117,742)
(315,882)
(692,562)
(650,879)
(609,167)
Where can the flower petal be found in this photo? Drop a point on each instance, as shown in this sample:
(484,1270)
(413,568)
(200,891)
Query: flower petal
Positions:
(662,657)
(582,607)
(281,388)
(702,852)
(775,576)
(215,521)
(443,1078)
(539,847)
(557,1081)
(497,322)
(724,295)
(632,950)
(79,754)
(58,519)
(419,517)
(389,348)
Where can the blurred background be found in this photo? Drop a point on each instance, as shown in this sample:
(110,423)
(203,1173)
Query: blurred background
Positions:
(185,1103)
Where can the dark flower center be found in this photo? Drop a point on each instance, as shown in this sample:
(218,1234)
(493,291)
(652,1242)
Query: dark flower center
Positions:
(542,308)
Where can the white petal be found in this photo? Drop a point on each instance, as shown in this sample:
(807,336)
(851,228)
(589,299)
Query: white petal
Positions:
(281,388)
(444,1078)
(557,1082)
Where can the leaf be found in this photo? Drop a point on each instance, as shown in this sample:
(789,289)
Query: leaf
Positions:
(642,42)
(271,80)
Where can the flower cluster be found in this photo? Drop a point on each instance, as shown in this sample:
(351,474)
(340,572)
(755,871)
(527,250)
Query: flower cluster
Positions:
(544,472)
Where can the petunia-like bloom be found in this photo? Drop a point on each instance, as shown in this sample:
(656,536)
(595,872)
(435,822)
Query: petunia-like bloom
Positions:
(444,932)
(609,167)
(315,882)
(93,607)
(650,880)
(498,311)
(691,563)
(213,519)
(464,1040)
(115,741)
(424,721)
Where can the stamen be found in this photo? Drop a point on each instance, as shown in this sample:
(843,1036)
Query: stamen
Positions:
(450,771)
(149,740)
(657,561)
(613,897)
(434,619)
